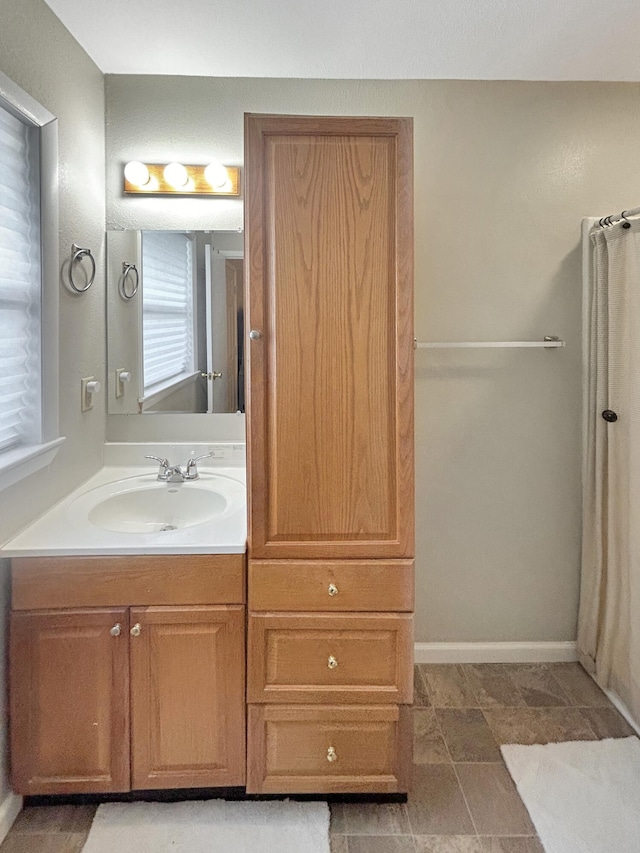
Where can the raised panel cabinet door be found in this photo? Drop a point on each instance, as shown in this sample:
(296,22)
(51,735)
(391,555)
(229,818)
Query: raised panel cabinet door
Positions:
(329,247)
(187,697)
(69,700)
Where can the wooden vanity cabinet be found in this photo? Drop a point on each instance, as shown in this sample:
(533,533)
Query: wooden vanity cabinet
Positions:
(329,319)
(119,698)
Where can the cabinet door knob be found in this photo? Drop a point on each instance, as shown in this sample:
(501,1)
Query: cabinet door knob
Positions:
(255,334)
(333,589)
(116,630)
(332,663)
(135,631)
(331,754)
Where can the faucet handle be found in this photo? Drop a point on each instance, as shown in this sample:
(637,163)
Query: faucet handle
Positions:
(165,467)
(192,462)
(163,462)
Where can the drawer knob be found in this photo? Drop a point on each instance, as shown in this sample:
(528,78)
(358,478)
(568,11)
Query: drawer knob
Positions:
(333,589)
(332,663)
(116,630)
(135,631)
(331,754)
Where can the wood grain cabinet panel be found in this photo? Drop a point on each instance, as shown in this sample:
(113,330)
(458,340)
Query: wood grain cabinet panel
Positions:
(327,749)
(328,227)
(331,585)
(69,699)
(330,658)
(188,712)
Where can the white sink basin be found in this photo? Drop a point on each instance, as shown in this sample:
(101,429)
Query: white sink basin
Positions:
(158,508)
(144,505)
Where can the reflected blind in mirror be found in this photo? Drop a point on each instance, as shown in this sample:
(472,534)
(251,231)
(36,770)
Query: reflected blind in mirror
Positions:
(167,307)
(20,283)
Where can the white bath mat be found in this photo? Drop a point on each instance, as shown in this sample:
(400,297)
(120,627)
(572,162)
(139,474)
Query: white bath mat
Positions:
(211,826)
(583,796)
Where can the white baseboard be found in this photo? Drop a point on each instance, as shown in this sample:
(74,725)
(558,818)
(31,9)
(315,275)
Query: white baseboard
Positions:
(9,810)
(495,652)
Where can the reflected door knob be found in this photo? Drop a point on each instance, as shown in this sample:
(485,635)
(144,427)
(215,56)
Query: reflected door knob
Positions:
(255,334)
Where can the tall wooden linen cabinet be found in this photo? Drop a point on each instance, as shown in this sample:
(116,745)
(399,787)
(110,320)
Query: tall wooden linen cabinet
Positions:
(329,325)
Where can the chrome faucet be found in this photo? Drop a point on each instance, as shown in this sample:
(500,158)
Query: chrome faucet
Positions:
(168,473)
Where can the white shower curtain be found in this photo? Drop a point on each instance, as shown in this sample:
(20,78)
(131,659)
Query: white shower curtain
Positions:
(609,622)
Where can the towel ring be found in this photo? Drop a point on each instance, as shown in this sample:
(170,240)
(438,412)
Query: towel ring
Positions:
(126,270)
(76,255)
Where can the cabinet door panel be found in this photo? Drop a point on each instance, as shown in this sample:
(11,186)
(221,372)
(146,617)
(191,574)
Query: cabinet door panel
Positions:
(330,416)
(69,701)
(187,675)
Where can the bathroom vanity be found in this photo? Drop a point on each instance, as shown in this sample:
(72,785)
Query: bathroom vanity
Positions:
(128,660)
(127,673)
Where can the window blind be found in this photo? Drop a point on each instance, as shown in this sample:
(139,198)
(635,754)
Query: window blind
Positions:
(20,284)
(167,306)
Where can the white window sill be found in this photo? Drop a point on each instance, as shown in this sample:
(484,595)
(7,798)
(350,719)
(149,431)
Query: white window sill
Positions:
(20,462)
(163,389)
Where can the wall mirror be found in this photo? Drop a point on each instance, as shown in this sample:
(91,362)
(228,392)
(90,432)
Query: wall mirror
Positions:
(175,322)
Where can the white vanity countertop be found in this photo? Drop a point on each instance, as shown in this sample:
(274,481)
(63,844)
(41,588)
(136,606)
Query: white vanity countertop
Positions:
(65,530)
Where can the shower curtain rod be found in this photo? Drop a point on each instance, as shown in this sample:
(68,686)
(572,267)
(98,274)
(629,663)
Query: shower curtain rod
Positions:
(605,221)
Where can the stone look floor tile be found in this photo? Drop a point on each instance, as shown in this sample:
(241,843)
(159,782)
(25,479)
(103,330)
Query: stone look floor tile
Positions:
(493,686)
(467,735)
(420,692)
(537,725)
(35,842)
(436,805)
(381,844)
(370,819)
(338,844)
(448,686)
(428,744)
(537,685)
(448,844)
(49,819)
(578,686)
(511,845)
(607,722)
(494,802)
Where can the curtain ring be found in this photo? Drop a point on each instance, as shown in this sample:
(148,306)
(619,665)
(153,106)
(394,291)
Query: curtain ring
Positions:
(626,223)
(76,255)
(126,270)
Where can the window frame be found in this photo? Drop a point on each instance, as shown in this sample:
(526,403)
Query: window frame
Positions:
(19,462)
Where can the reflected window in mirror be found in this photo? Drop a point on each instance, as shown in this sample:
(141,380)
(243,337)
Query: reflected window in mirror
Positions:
(169,307)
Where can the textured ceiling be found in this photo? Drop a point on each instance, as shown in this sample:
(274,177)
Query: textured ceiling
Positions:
(431,39)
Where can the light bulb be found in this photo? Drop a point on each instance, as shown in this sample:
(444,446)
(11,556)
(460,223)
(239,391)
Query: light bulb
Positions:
(176,175)
(137,173)
(216,176)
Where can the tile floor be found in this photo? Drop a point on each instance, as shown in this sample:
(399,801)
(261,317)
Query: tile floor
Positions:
(462,799)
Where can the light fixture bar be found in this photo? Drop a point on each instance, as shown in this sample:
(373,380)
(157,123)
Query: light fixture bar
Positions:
(196,185)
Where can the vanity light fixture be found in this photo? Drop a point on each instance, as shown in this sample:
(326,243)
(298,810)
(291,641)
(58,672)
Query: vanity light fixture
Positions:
(175,178)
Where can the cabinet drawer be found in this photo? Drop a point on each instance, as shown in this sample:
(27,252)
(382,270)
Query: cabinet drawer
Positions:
(325,749)
(311,657)
(331,585)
